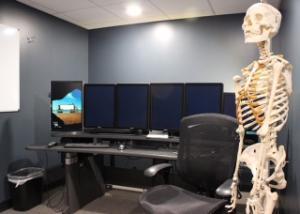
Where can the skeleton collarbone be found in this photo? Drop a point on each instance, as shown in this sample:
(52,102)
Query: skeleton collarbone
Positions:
(255,90)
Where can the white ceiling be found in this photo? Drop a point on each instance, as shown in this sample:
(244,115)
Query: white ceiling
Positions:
(91,14)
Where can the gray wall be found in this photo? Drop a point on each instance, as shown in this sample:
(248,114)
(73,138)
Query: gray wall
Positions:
(59,52)
(291,48)
(209,49)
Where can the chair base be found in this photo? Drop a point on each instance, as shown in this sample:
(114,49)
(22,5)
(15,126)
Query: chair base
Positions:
(169,199)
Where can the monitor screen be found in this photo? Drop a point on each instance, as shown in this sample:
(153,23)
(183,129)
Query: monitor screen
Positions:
(99,106)
(229,104)
(132,106)
(203,98)
(66,105)
(166,106)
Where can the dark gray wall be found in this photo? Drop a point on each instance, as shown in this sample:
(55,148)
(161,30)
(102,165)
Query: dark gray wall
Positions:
(209,49)
(291,49)
(59,52)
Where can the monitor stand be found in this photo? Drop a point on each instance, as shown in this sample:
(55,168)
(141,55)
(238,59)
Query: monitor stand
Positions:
(158,134)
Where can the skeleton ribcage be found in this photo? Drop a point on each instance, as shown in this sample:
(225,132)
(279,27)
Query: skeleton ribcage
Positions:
(254,97)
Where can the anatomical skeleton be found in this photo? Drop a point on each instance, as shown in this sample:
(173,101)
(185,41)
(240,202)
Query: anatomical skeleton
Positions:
(262,100)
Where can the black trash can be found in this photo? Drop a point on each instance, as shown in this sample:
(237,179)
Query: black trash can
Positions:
(26,186)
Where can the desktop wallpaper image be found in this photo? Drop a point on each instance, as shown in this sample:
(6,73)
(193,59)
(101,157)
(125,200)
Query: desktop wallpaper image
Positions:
(68,109)
(66,105)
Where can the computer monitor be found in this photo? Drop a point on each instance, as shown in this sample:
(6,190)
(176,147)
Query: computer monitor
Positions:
(66,105)
(166,106)
(99,106)
(229,107)
(203,98)
(132,106)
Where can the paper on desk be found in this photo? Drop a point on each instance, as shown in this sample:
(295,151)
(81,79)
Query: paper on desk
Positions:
(152,135)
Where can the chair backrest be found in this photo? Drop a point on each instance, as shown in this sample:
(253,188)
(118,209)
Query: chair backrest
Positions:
(207,150)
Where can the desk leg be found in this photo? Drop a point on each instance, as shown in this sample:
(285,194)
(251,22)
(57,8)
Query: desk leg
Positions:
(97,174)
(72,182)
(84,182)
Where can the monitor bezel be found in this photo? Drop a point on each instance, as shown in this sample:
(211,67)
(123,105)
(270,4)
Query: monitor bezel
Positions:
(66,129)
(203,84)
(170,131)
(117,105)
(227,94)
(84,105)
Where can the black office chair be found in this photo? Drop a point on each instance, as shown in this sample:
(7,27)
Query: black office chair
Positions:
(206,160)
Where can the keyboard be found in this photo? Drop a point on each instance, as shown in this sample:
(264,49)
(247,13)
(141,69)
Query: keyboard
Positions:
(86,145)
(108,130)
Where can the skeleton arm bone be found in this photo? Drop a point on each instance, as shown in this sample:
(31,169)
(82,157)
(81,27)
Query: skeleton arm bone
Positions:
(237,79)
(287,73)
(265,127)
(234,185)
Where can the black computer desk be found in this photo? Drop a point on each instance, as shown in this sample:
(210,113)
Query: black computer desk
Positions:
(144,153)
(79,194)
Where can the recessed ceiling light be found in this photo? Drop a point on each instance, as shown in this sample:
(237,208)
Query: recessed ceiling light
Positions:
(133,10)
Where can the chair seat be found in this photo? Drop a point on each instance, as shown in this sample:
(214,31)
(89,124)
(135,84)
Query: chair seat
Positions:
(168,199)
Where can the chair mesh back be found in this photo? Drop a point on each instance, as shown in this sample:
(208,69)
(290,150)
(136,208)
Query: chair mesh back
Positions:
(208,149)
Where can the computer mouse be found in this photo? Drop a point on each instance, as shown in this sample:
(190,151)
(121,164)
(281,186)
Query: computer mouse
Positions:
(52,144)
(139,132)
(121,146)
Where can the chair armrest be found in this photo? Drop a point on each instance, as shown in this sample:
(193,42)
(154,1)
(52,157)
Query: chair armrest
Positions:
(153,170)
(224,190)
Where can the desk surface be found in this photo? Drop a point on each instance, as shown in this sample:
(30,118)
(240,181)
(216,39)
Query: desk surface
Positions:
(114,136)
(145,153)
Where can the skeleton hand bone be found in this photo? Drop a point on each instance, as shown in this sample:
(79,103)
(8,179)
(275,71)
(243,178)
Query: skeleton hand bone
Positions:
(234,195)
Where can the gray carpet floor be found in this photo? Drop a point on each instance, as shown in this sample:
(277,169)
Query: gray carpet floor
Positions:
(113,202)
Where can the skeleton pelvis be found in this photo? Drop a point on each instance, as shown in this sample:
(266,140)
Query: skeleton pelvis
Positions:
(271,155)
(250,157)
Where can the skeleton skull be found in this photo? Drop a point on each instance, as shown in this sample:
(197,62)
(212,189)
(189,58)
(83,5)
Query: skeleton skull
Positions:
(262,22)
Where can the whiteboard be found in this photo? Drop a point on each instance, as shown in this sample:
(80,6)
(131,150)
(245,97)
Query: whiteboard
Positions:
(9,69)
